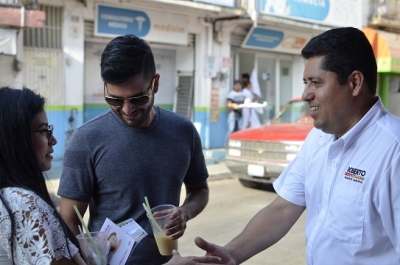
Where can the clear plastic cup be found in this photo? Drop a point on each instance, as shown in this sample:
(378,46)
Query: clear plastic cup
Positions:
(90,255)
(161,214)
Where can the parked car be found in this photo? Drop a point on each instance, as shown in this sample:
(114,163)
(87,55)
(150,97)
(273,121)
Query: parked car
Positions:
(259,155)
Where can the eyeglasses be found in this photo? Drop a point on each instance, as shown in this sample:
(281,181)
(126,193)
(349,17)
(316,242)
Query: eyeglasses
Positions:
(137,101)
(48,132)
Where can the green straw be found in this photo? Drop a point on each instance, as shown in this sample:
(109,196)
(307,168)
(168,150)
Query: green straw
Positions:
(153,222)
(88,233)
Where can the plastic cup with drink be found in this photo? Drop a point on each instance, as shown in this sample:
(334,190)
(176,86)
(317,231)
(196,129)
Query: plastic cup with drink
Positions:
(94,247)
(159,216)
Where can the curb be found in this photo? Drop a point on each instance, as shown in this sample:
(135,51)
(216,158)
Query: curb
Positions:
(219,176)
(218,171)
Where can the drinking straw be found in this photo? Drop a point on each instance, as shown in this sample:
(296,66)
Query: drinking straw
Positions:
(150,214)
(80,230)
(83,236)
(148,205)
(88,233)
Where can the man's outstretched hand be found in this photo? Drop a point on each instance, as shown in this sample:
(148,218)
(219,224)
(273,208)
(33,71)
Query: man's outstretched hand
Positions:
(177,259)
(216,251)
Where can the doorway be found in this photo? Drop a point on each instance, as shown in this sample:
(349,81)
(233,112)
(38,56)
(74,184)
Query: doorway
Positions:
(274,75)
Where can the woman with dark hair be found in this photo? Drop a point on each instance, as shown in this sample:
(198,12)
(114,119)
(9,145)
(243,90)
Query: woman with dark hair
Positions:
(31,229)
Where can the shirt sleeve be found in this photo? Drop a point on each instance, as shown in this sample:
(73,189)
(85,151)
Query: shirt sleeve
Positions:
(78,174)
(230,96)
(197,170)
(290,184)
(39,237)
(388,201)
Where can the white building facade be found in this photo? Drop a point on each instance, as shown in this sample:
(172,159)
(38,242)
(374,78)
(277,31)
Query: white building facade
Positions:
(200,47)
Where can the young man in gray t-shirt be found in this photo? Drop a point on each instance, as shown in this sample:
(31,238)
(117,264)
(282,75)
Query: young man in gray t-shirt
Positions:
(134,150)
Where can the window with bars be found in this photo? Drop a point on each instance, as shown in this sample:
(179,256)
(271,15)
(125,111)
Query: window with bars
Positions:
(50,35)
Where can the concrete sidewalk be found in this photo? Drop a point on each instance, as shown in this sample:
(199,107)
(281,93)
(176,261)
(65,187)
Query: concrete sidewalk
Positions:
(215,161)
(216,171)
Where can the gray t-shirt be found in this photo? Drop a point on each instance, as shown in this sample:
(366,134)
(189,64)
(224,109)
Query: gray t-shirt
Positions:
(114,167)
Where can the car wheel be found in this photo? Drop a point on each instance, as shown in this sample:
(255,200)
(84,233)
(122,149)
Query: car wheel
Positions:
(250,184)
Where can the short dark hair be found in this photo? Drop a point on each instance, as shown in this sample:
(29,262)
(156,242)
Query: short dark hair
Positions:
(246,75)
(345,50)
(125,57)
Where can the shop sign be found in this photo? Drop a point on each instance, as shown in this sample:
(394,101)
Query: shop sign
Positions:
(329,12)
(8,41)
(277,40)
(395,65)
(211,67)
(388,65)
(112,21)
(229,3)
(214,112)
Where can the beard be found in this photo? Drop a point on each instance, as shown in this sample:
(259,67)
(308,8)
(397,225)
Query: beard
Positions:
(138,117)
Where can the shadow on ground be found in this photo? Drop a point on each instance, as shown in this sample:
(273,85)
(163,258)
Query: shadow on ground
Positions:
(257,185)
(267,187)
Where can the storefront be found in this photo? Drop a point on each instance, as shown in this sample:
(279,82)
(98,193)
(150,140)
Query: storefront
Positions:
(271,56)
(169,37)
(63,61)
(271,44)
(187,53)
(386,47)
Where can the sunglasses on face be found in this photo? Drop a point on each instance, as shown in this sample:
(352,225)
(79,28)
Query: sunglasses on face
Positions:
(137,101)
(48,131)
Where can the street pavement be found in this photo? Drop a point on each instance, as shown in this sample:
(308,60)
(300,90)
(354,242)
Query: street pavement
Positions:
(230,208)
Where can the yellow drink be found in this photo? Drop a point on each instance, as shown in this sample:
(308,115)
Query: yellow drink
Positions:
(165,244)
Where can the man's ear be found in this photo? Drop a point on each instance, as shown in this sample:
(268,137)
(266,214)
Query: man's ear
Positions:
(356,82)
(156,80)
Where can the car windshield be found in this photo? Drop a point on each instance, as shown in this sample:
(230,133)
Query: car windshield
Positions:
(294,112)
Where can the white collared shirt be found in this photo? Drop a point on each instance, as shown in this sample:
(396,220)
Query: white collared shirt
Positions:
(351,190)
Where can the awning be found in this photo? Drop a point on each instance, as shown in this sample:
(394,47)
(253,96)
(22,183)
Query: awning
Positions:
(386,47)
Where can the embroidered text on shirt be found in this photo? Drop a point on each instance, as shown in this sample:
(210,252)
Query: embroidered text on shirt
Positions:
(354,174)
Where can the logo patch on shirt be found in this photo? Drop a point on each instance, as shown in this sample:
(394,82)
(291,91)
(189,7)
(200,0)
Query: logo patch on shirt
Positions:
(355,174)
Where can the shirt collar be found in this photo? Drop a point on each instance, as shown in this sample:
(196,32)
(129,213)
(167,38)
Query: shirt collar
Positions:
(370,118)
(376,112)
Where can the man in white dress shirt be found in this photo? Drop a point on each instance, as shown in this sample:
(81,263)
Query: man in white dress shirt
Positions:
(347,174)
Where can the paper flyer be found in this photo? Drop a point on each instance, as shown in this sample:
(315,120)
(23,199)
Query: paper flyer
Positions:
(121,243)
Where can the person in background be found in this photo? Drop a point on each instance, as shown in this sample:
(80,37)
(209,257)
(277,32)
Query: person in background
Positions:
(246,81)
(134,150)
(347,172)
(234,98)
(249,115)
(32,231)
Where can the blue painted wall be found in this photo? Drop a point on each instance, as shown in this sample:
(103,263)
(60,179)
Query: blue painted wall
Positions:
(212,134)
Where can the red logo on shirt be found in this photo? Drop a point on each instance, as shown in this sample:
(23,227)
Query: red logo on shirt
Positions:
(355,174)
